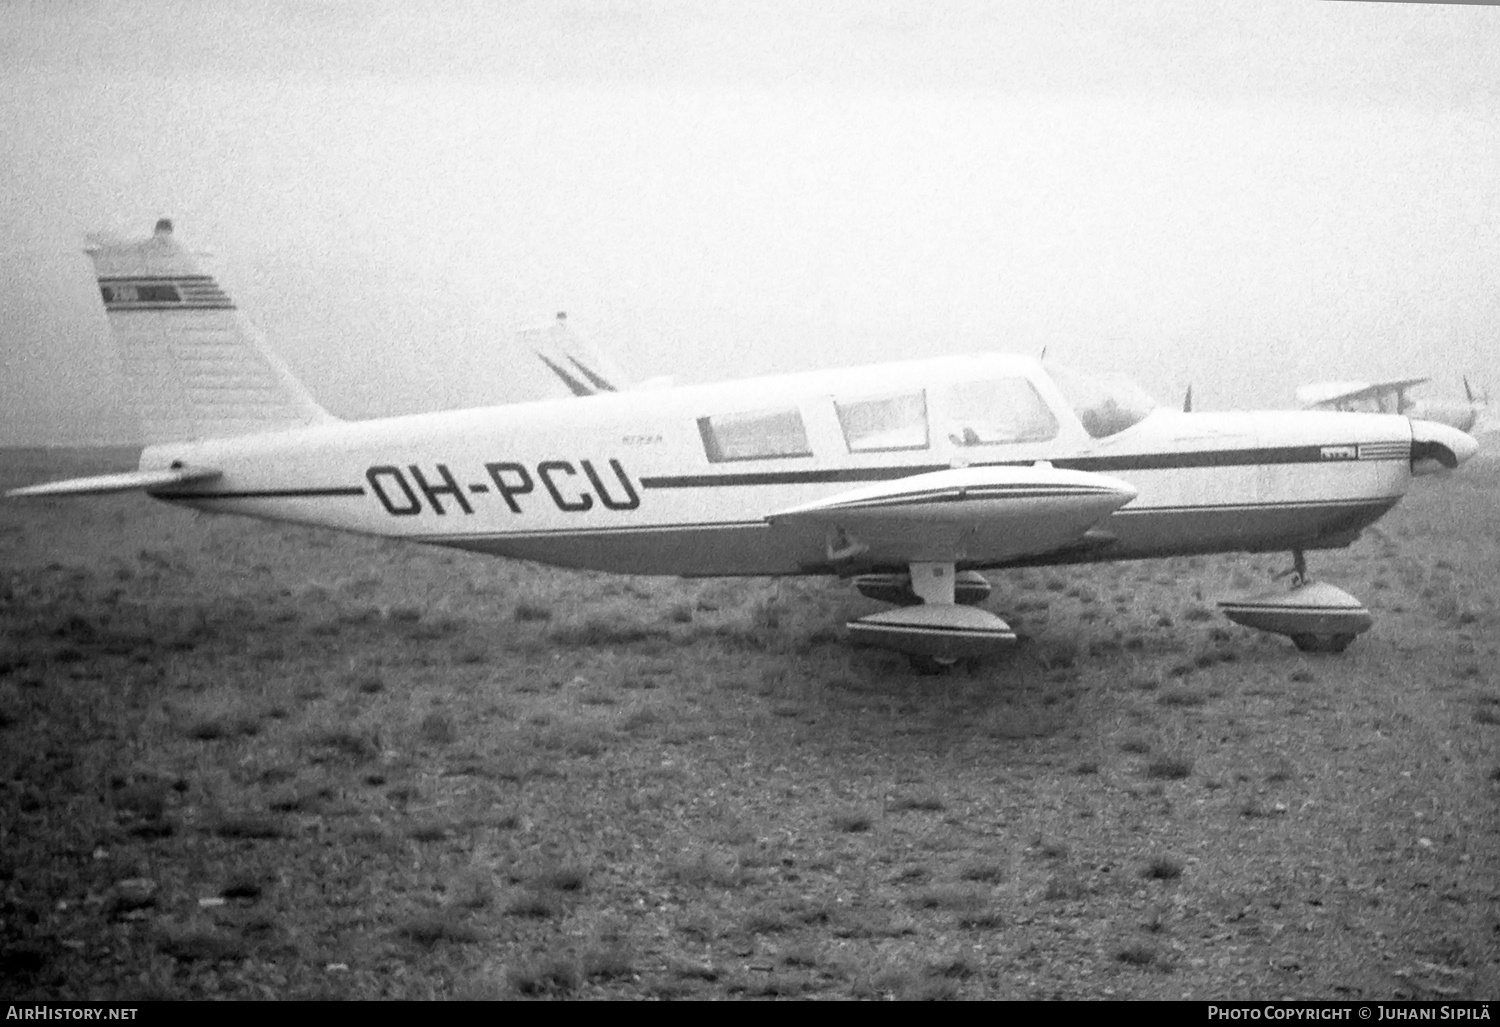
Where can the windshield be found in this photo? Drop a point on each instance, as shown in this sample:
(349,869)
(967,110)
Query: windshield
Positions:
(998,412)
(1107,404)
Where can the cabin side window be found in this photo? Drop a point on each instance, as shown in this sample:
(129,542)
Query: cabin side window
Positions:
(884,423)
(992,413)
(759,435)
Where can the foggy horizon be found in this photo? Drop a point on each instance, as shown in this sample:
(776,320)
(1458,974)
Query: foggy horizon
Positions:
(1240,200)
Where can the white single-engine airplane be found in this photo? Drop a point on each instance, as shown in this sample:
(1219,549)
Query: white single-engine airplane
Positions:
(910,477)
(1390,397)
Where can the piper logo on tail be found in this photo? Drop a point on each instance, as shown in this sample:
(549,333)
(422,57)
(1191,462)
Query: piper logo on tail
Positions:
(572,488)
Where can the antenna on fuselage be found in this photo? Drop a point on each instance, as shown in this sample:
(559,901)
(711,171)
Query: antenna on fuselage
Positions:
(1187,400)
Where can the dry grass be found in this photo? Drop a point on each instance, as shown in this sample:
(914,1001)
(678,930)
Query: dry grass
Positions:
(1163,868)
(1169,768)
(242,761)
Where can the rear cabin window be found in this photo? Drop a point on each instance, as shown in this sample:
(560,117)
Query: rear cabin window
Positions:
(759,435)
(884,423)
(998,412)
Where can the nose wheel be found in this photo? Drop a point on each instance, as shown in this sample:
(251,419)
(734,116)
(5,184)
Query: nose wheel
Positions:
(1316,616)
(1310,641)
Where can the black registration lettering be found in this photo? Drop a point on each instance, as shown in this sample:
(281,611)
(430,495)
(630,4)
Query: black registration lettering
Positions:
(374,476)
(631,500)
(450,487)
(546,469)
(511,480)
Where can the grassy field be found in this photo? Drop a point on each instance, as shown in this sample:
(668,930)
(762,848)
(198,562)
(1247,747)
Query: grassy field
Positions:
(241,760)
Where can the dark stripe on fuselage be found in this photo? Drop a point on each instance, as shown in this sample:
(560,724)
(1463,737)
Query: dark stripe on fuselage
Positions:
(1210,458)
(629,529)
(1128,462)
(845,474)
(349,490)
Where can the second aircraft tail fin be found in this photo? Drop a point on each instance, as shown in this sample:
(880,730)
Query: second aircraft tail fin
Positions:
(580,365)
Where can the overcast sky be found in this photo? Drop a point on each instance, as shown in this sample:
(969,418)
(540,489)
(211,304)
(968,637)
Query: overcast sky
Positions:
(1240,196)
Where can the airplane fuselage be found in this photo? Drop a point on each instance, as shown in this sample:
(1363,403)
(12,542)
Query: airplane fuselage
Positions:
(908,477)
(681,481)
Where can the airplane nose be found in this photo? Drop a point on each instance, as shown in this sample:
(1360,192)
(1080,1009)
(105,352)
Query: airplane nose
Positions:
(1436,447)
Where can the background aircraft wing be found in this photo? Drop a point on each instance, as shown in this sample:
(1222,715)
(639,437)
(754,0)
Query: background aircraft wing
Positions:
(1324,393)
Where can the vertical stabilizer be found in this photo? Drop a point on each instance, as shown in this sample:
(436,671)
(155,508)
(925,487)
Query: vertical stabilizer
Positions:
(194,367)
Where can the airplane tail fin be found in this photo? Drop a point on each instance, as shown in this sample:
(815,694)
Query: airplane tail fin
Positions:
(194,366)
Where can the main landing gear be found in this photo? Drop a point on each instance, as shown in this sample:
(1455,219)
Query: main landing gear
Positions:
(928,666)
(936,631)
(1299,569)
(1316,616)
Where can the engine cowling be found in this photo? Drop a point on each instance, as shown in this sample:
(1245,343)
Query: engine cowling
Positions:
(1438,447)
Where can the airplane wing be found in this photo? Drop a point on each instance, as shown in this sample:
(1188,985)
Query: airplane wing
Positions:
(1006,512)
(125,481)
(1326,393)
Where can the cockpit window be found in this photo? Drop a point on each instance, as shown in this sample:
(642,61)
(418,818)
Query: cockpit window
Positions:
(758,435)
(997,412)
(884,423)
(1106,404)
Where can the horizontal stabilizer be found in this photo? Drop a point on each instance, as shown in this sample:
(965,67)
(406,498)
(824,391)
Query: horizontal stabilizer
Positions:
(125,481)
